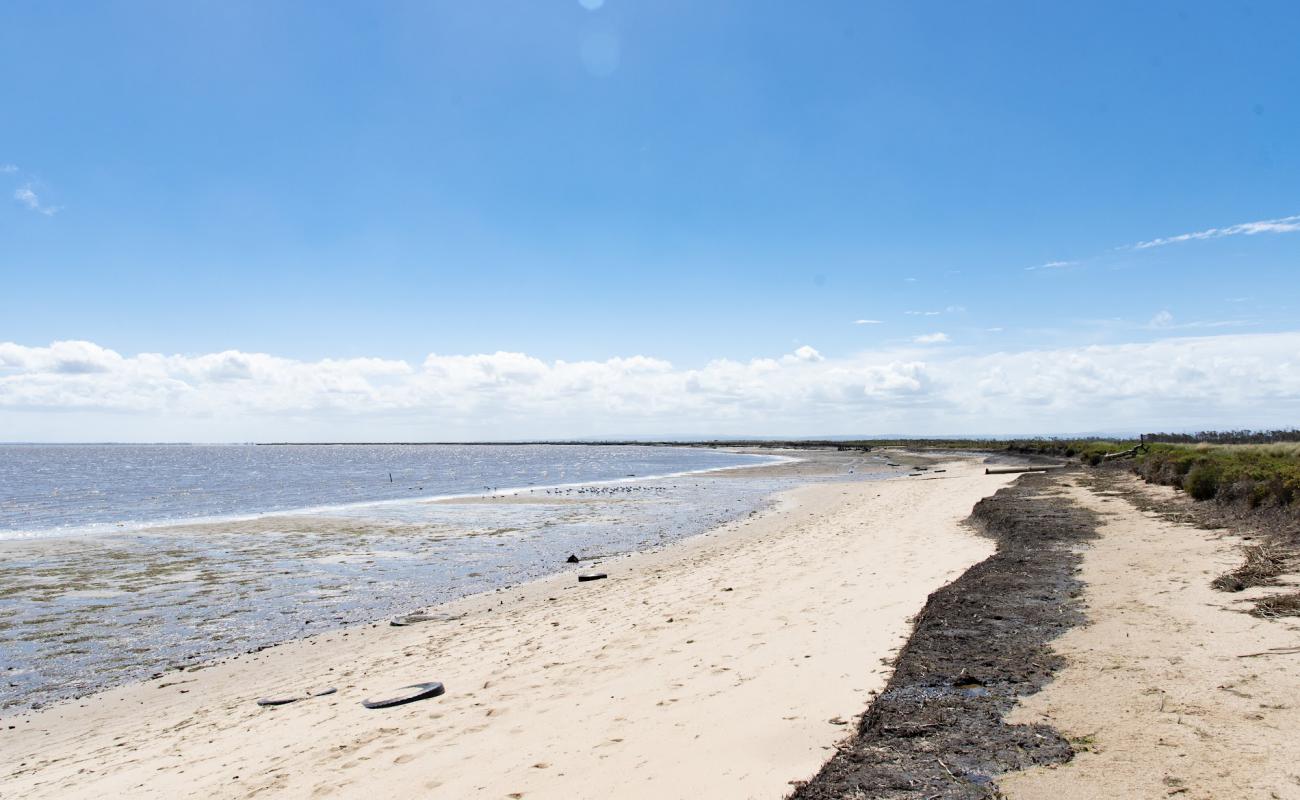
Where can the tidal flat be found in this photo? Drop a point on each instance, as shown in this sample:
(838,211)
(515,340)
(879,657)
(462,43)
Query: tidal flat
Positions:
(82,613)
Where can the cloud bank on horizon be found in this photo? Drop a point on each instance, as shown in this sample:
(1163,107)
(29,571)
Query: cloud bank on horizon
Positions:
(78,391)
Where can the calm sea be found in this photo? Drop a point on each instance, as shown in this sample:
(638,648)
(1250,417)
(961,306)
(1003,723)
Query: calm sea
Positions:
(118,562)
(61,489)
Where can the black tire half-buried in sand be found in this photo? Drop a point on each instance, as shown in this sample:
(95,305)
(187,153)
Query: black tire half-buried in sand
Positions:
(591,576)
(406,694)
(293,698)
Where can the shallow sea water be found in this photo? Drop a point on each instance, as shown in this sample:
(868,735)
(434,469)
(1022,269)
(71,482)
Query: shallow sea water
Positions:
(83,611)
(66,489)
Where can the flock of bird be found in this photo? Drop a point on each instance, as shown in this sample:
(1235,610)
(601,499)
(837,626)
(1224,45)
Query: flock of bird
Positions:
(604,490)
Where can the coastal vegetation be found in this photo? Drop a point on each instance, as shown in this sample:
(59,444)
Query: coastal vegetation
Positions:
(1253,468)
(1254,474)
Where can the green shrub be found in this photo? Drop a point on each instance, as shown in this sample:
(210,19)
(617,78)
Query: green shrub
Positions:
(1202,482)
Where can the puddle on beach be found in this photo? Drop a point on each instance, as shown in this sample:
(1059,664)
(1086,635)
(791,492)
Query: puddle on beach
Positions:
(82,613)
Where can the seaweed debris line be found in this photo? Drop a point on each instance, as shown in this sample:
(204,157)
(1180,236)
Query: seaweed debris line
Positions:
(980,643)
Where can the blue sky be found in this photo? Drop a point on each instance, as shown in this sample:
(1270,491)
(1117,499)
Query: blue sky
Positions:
(689,182)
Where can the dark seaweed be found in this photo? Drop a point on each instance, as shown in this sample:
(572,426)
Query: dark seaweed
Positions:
(980,643)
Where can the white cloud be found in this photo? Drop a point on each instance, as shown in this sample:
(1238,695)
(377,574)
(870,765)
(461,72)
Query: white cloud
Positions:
(1162,319)
(8,169)
(931,338)
(946,310)
(807,353)
(867,322)
(1281,225)
(82,391)
(1052,265)
(29,198)
(25,195)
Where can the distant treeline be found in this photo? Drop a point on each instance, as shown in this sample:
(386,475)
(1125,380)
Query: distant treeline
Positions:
(1226,437)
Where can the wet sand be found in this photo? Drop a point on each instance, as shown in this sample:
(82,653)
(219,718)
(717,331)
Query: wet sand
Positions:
(83,613)
(726,665)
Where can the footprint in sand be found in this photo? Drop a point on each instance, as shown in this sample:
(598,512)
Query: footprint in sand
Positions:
(404,758)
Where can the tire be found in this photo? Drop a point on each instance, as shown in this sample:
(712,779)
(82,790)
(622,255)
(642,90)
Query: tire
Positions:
(407,694)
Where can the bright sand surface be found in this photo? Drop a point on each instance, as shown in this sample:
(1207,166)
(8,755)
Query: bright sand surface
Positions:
(1170,691)
(724,666)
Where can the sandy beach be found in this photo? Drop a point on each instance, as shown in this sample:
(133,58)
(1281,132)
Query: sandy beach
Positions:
(85,609)
(727,665)
(605,400)
(1199,696)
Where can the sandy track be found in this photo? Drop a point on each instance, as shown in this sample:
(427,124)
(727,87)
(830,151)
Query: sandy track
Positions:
(1157,694)
(712,668)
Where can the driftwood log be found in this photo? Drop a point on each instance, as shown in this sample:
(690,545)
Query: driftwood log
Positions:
(1009,470)
(1130,453)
